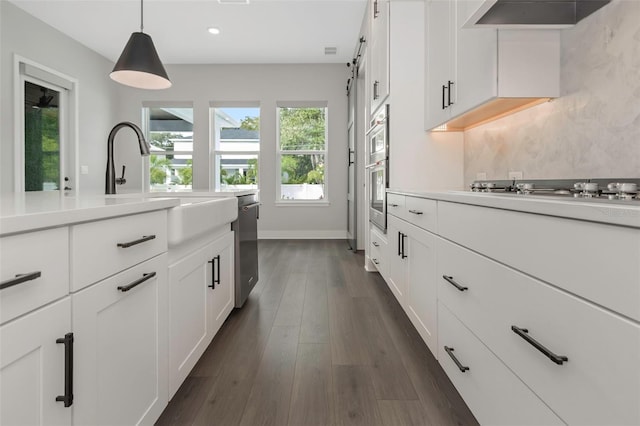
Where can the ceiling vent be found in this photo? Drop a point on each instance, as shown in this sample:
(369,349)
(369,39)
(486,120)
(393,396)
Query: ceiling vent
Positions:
(330,50)
(233,1)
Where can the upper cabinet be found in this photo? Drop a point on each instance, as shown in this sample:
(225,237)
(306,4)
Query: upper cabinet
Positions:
(476,75)
(379,53)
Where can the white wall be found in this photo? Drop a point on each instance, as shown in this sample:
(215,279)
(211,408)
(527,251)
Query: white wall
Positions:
(266,84)
(26,36)
(593,129)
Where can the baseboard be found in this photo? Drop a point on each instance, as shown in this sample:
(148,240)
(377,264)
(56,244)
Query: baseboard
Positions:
(302,235)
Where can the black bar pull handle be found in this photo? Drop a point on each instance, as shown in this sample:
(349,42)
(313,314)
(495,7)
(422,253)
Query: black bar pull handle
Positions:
(404,256)
(393,205)
(444,88)
(449,84)
(418,212)
(376,84)
(145,277)
(399,243)
(376,12)
(215,272)
(144,239)
(451,281)
(375,244)
(67,398)
(19,279)
(218,270)
(375,261)
(453,357)
(524,333)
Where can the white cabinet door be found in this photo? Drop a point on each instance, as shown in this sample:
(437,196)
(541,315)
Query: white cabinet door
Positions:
(439,63)
(201,296)
(397,249)
(421,301)
(32,367)
(379,53)
(189,313)
(222,292)
(121,347)
(476,61)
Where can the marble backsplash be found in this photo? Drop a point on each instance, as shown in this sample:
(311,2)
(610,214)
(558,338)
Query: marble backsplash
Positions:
(593,129)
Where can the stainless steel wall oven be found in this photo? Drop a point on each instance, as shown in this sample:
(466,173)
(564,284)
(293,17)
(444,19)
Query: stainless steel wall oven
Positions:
(378,167)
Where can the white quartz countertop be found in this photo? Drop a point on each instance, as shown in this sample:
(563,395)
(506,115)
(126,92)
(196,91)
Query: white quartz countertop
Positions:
(602,211)
(20,212)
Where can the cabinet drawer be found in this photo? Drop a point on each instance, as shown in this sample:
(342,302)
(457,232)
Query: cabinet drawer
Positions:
(602,348)
(421,212)
(43,255)
(103,248)
(396,205)
(378,250)
(494,394)
(596,261)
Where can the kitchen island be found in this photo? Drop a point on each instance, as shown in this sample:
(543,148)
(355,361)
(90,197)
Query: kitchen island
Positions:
(86,296)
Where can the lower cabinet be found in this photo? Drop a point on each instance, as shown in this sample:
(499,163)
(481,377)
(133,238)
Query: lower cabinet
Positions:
(397,267)
(493,393)
(201,296)
(121,347)
(412,275)
(32,367)
(421,302)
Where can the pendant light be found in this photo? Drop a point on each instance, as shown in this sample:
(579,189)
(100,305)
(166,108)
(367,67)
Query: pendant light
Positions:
(139,65)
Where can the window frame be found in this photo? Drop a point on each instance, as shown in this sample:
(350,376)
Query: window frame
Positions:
(214,177)
(280,152)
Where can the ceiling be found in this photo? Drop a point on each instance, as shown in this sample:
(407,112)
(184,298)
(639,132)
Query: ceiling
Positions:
(264,31)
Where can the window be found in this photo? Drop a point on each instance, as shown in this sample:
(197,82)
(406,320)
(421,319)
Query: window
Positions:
(169,131)
(302,152)
(236,146)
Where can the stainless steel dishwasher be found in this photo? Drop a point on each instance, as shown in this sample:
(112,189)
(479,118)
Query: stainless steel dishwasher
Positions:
(246,247)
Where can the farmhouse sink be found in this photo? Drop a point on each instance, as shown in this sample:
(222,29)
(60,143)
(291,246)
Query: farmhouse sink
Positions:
(197,216)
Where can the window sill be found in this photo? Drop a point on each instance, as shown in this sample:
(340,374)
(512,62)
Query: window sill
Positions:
(302,203)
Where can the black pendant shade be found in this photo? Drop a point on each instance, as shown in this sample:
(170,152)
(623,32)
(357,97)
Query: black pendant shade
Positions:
(139,65)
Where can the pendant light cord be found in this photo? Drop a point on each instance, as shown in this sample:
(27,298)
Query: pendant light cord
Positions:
(141,16)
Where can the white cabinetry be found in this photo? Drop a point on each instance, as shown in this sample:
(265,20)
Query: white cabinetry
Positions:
(35,312)
(412,261)
(492,392)
(379,53)
(32,367)
(568,351)
(34,268)
(121,347)
(378,251)
(476,74)
(201,296)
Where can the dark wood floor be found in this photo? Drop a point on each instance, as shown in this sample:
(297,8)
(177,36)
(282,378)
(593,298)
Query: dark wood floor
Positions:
(319,342)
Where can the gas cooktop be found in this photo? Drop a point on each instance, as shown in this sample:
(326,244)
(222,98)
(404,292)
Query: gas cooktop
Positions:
(617,190)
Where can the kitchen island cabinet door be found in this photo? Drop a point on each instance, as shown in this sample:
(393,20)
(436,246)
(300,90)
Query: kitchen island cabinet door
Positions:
(32,367)
(201,297)
(121,347)
(222,294)
(189,313)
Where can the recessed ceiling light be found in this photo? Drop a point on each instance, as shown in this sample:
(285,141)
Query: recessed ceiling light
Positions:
(214,30)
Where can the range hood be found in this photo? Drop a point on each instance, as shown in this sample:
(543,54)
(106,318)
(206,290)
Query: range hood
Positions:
(533,13)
